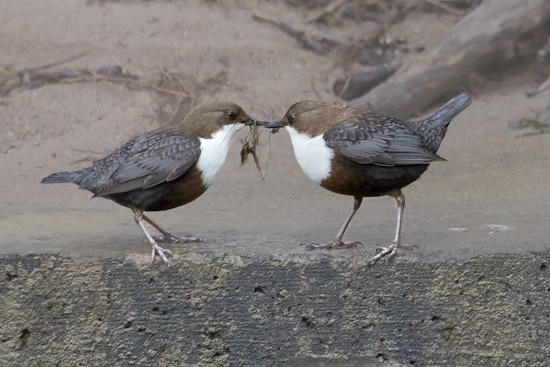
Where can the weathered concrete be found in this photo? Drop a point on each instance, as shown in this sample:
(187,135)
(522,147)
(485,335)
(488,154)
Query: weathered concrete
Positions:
(279,310)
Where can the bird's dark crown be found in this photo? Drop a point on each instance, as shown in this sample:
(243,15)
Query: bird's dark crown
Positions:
(315,117)
(204,120)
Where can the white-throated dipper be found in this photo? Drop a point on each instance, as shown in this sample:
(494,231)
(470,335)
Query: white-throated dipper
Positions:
(365,153)
(164,168)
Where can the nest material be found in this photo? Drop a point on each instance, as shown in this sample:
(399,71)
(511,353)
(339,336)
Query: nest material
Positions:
(250,146)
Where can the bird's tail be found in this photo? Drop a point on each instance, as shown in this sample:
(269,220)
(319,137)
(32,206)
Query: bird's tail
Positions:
(61,177)
(439,121)
(450,110)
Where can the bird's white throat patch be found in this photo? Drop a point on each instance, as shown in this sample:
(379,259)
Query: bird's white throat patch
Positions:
(312,154)
(214,152)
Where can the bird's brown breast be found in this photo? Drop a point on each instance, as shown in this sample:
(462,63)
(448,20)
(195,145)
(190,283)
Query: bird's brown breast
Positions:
(350,178)
(164,196)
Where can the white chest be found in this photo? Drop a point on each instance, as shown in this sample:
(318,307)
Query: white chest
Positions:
(214,152)
(312,154)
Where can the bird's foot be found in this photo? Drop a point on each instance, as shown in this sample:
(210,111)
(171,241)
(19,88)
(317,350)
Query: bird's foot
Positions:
(190,238)
(389,252)
(170,238)
(162,252)
(334,245)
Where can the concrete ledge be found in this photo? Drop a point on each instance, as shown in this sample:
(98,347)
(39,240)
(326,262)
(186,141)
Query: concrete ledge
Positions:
(295,310)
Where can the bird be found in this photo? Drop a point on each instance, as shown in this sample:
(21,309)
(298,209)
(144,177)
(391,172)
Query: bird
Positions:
(164,168)
(363,153)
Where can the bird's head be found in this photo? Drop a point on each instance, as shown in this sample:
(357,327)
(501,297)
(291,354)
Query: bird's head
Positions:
(209,118)
(312,117)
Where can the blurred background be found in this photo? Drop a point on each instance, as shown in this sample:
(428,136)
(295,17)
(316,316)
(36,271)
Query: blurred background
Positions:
(80,78)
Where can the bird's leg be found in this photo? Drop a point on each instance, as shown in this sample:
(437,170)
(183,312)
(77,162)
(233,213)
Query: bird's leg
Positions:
(167,236)
(338,243)
(140,220)
(391,250)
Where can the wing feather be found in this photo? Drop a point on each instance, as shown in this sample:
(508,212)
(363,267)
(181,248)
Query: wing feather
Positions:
(371,138)
(149,160)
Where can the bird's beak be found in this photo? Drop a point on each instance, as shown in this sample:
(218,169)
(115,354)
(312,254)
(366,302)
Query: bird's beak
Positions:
(254,121)
(273,124)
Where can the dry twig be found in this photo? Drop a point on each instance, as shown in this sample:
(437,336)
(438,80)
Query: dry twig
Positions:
(249,146)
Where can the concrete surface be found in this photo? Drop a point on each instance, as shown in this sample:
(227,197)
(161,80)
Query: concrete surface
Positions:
(287,310)
(490,197)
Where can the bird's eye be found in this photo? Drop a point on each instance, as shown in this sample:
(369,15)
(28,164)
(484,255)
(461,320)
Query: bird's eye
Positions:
(231,115)
(291,118)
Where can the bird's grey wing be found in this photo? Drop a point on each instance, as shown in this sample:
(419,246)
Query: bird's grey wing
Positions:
(408,148)
(371,138)
(151,160)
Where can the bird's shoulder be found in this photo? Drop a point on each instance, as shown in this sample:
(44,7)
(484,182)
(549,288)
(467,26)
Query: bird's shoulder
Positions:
(364,125)
(159,140)
(157,143)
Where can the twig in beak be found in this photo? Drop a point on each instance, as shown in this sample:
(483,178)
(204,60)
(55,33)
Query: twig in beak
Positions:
(249,146)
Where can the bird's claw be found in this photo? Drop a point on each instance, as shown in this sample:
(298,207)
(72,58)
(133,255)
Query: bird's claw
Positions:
(170,238)
(190,238)
(387,252)
(313,246)
(334,245)
(162,252)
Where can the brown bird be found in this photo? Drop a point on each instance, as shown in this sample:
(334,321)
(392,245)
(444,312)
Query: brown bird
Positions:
(365,153)
(164,168)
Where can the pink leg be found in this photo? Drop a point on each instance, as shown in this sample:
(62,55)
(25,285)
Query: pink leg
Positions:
(338,243)
(139,218)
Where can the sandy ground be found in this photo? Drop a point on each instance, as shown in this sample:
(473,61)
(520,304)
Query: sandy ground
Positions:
(492,195)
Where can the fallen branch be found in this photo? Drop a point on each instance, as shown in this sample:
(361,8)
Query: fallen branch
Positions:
(479,40)
(7,84)
(356,85)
